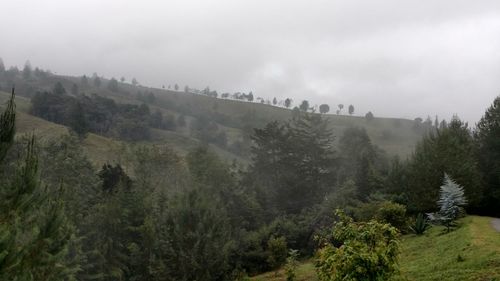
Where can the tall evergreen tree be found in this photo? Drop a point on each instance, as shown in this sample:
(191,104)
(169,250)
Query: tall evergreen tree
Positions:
(487,140)
(34,232)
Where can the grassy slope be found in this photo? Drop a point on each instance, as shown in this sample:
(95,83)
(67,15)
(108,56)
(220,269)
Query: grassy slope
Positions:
(434,256)
(393,135)
(99,149)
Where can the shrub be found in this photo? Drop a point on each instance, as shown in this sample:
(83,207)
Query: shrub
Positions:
(394,214)
(420,225)
(383,211)
(277,251)
(291,265)
(360,251)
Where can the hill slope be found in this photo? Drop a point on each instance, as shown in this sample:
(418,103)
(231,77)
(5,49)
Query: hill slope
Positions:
(472,252)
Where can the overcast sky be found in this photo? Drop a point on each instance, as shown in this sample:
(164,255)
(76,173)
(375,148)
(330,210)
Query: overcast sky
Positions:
(392,57)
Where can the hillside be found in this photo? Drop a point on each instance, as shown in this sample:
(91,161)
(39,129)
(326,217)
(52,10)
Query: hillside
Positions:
(234,119)
(472,252)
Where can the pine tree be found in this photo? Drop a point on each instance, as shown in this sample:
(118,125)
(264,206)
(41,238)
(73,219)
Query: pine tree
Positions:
(451,202)
(34,232)
(487,140)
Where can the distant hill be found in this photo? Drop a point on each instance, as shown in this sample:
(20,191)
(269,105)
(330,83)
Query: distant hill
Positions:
(233,120)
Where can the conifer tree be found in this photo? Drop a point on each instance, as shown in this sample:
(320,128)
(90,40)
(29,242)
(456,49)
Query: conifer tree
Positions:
(487,140)
(34,231)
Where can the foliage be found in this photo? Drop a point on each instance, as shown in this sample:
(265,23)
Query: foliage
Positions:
(420,224)
(451,202)
(359,251)
(291,265)
(95,114)
(195,241)
(393,214)
(324,108)
(487,143)
(449,150)
(351,109)
(277,251)
(369,116)
(304,106)
(293,162)
(113,85)
(34,231)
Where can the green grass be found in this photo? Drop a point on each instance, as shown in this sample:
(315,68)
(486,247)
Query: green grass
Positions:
(435,255)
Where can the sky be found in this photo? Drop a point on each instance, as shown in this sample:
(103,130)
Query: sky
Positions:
(391,57)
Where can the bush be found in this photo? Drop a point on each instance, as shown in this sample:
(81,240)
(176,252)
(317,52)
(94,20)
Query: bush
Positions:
(277,251)
(385,212)
(394,214)
(291,265)
(360,251)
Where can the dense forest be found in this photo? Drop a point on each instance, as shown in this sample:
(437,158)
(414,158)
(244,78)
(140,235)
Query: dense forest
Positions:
(162,215)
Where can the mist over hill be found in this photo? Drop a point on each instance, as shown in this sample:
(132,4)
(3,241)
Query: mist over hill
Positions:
(183,117)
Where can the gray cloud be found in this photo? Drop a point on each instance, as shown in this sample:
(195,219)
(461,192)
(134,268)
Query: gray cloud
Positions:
(395,58)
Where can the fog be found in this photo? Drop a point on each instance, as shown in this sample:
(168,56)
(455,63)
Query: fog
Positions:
(395,58)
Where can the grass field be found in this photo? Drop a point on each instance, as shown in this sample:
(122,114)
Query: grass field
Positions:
(471,252)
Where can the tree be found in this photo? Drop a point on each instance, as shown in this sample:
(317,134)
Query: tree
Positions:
(59,89)
(74,89)
(122,79)
(84,81)
(113,177)
(304,106)
(97,80)
(324,108)
(275,101)
(77,121)
(360,251)
(288,102)
(113,85)
(250,97)
(176,87)
(351,109)
(291,265)
(451,202)
(451,151)
(134,82)
(278,250)
(2,66)
(369,116)
(27,70)
(341,106)
(195,241)
(487,142)
(186,89)
(34,231)
(293,162)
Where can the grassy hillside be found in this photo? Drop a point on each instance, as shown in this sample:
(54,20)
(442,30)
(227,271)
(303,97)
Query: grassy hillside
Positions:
(234,117)
(472,252)
(98,148)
